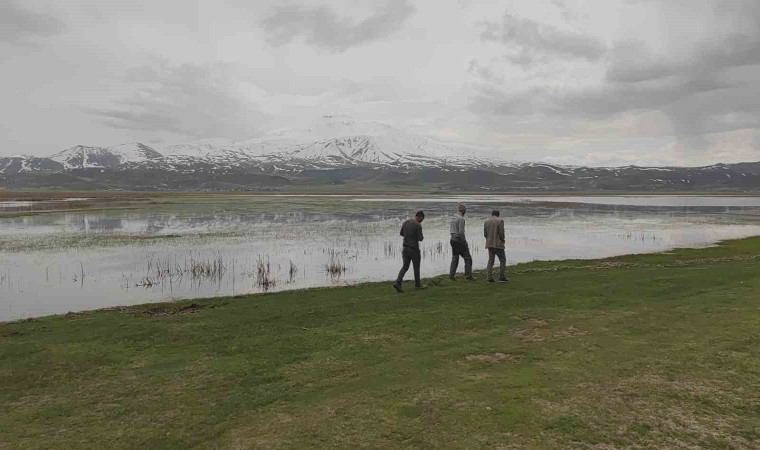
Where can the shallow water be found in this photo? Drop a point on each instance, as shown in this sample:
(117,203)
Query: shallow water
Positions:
(627,200)
(55,263)
(27,205)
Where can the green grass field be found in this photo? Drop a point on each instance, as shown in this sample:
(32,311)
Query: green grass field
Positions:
(651,351)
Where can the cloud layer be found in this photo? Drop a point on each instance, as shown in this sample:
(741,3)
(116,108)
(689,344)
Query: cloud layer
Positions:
(574,81)
(529,42)
(704,88)
(19,24)
(198,101)
(322,27)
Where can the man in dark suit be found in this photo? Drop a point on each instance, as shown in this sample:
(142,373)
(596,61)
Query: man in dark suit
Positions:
(411,230)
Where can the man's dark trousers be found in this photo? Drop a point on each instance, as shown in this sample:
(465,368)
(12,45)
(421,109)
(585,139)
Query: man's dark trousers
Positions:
(460,249)
(410,255)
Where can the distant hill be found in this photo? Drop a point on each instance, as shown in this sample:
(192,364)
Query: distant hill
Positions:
(338,150)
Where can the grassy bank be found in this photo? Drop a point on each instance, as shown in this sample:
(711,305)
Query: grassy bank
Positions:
(650,351)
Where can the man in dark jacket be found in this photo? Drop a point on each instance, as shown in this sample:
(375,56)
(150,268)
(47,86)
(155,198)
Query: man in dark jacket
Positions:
(411,230)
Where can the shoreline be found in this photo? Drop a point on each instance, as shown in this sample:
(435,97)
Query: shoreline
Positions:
(519,268)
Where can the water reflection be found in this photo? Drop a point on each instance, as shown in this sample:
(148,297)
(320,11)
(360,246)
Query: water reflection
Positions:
(236,248)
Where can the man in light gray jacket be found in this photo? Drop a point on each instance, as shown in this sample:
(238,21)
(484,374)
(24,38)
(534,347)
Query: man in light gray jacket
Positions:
(459,246)
(493,230)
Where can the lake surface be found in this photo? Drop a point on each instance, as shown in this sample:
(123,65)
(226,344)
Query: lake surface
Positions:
(71,261)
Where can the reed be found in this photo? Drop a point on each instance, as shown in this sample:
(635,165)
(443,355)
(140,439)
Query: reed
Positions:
(265,278)
(335,267)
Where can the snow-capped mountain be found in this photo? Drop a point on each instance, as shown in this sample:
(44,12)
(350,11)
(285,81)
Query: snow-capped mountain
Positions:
(331,142)
(204,149)
(24,164)
(81,157)
(339,149)
(134,152)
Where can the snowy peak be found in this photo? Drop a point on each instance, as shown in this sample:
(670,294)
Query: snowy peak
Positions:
(334,141)
(83,157)
(135,152)
(24,164)
(205,148)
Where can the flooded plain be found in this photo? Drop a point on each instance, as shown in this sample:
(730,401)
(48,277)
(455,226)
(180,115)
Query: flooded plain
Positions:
(71,261)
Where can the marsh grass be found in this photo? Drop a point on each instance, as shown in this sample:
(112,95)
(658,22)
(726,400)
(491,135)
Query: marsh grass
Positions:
(162,271)
(334,268)
(265,277)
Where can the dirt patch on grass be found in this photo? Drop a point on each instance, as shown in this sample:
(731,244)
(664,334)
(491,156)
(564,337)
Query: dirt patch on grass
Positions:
(527,334)
(169,310)
(161,312)
(493,357)
(570,331)
(541,334)
(535,321)
(381,337)
(9,334)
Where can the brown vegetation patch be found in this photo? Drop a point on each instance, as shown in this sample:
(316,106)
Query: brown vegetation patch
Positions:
(540,334)
(570,331)
(187,309)
(9,334)
(76,315)
(526,334)
(537,322)
(383,337)
(493,357)
(169,310)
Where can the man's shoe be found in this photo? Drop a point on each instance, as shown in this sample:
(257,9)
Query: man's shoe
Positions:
(451,277)
(471,278)
(420,286)
(398,288)
(491,280)
(503,280)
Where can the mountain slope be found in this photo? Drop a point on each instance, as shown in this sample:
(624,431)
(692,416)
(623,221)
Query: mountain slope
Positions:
(24,164)
(134,152)
(80,157)
(338,150)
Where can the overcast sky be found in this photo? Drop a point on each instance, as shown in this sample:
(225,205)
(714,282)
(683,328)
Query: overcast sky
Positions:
(598,82)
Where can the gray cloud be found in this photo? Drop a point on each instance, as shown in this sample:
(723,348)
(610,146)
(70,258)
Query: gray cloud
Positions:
(710,89)
(21,25)
(322,27)
(187,100)
(528,42)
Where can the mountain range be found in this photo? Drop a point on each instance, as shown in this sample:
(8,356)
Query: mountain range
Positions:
(338,150)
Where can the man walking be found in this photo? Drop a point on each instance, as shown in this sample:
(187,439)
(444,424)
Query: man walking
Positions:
(459,246)
(411,230)
(493,230)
